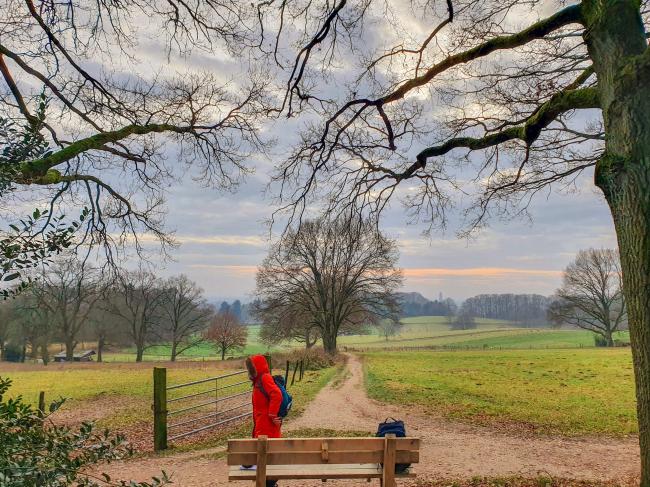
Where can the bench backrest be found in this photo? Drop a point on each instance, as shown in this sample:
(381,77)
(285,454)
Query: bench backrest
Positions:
(310,451)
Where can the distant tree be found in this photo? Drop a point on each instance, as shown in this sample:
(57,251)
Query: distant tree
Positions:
(286,323)
(591,296)
(338,273)
(388,328)
(227,333)
(68,290)
(34,326)
(136,300)
(225,307)
(186,314)
(236,309)
(464,320)
(7,315)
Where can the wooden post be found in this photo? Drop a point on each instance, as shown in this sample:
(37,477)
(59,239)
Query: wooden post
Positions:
(260,477)
(293,377)
(390,445)
(41,403)
(286,375)
(302,367)
(159,408)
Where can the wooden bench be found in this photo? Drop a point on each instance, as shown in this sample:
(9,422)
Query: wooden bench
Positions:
(321,458)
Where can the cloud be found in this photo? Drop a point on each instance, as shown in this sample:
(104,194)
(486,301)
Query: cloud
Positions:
(478,272)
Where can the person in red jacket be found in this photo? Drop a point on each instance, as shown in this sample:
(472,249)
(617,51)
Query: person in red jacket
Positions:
(267,398)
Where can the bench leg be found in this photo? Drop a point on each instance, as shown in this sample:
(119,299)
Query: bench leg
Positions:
(390,448)
(260,476)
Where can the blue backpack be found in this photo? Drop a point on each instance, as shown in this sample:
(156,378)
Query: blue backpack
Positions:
(287,400)
(397,428)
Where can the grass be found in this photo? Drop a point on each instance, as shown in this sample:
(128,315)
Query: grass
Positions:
(570,392)
(434,332)
(203,351)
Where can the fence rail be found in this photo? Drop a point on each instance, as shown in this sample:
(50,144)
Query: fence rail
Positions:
(228,408)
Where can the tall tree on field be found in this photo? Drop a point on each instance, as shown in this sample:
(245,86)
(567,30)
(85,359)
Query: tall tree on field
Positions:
(336,273)
(227,333)
(68,290)
(591,296)
(185,313)
(136,299)
(485,103)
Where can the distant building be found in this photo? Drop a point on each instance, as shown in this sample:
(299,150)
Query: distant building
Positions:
(84,356)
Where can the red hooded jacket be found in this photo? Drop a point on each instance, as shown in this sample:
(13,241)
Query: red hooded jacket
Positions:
(265,406)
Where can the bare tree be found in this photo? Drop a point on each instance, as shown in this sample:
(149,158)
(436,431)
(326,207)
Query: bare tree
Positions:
(464,319)
(285,323)
(68,290)
(388,328)
(484,104)
(591,296)
(186,314)
(336,273)
(227,333)
(136,300)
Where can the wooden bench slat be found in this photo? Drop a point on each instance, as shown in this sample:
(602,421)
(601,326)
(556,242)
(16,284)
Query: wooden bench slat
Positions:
(316,457)
(341,471)
(249,445)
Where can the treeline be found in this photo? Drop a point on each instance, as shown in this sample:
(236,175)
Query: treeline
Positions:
(414,304)
(73,303)
(523,309)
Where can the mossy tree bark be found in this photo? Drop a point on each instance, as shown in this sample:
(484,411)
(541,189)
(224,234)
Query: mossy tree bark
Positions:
(618,47)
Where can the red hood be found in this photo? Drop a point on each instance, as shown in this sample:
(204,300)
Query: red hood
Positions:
(260,364)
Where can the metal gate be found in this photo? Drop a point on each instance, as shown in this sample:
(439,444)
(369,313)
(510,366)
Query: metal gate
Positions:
(182,410)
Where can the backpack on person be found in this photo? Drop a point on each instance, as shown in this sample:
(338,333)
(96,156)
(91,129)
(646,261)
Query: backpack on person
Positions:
(397,428)
(287,399)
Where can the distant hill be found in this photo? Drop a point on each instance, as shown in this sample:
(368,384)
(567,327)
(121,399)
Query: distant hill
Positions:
(414,304)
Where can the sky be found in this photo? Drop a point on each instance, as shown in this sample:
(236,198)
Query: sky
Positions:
(223,235)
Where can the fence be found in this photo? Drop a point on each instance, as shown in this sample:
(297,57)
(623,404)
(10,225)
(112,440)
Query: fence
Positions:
(229,397)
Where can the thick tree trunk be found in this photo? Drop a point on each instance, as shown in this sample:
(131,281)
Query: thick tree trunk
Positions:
(173,352)
(100,348)
(329,342)
(69,348)
(139,352)
(223,353)
(45,353)
(617,45)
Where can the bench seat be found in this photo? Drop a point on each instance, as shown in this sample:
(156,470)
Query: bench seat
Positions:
(340,471)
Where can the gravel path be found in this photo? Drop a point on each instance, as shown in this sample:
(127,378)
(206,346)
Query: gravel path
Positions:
(448,449)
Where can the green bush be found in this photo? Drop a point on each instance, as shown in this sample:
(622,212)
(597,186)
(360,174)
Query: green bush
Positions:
(36,452)
(600,341)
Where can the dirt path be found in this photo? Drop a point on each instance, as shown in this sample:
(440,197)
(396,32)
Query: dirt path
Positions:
(448,449)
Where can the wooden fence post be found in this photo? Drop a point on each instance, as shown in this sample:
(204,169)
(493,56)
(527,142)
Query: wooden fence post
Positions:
(286,375)
(41,403)
(293,377)
(159,408)
(302,364)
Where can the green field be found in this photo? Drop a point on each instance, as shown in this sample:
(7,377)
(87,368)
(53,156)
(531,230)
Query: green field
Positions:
(203,351)
(433,331)
(571,392)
